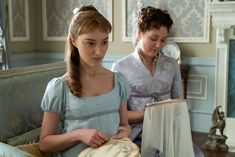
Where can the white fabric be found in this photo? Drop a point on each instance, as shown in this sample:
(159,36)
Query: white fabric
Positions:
(166,127)
(113,148)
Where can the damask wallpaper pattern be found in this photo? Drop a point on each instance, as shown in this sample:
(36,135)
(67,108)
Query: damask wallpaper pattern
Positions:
(57,15)
(191,20)
(19,20)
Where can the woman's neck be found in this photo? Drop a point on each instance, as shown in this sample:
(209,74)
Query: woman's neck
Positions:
(147,60)
(90,71)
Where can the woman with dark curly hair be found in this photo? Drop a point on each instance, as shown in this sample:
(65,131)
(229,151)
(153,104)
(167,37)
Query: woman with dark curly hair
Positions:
(151,75)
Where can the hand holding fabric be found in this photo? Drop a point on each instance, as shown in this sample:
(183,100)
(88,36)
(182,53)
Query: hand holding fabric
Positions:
(93,137)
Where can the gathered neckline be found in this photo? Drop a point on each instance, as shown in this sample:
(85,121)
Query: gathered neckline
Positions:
(91,97)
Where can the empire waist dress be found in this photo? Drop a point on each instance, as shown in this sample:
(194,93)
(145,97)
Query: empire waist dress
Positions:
(100,112)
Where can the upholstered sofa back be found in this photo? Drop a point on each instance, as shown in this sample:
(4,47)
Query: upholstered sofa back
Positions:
(21,91)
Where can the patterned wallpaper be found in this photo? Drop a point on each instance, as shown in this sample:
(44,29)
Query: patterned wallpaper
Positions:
(58,13)
(191,21)
(18,20)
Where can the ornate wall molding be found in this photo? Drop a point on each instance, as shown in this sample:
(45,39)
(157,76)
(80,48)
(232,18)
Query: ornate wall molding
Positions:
(219,8)
(197,87)
(223,18)
(223,14)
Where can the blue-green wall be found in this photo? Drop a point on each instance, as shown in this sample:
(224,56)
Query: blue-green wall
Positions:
(231,80)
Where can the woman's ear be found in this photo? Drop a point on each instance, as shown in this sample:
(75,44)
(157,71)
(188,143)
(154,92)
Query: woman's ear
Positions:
(73,41)
(138,34)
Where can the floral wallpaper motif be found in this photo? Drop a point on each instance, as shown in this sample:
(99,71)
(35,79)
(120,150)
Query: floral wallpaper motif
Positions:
(191,22)
(58,14)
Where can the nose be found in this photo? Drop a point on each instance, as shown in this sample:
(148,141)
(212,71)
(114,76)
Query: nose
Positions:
(99,50)
(158,43)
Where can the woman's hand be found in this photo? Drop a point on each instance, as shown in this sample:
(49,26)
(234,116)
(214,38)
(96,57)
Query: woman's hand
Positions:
(93,137)
(123,132)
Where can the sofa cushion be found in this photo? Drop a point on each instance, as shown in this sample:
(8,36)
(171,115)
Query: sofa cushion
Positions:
(31,136)
(11,151)
(21,91)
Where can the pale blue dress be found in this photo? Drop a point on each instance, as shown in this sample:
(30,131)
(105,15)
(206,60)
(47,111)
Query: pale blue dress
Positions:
(100,112)
(165,83)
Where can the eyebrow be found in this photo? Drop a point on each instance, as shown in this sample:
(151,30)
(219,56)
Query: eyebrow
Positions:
(88,39)
(106,38)
(155,35)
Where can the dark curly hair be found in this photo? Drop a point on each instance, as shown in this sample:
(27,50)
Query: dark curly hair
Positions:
(150,17)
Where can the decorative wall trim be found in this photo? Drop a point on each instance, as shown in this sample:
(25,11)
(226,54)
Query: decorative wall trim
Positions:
(201,112)
(199,61)
(221,10)
(183,30)
(32,69)
(19,20)
(126,35)
(60,20)
(223,20)
(199,81)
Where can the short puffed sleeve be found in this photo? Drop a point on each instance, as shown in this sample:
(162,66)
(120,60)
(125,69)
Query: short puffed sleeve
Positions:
(124,87)
(52,100)
(115,67)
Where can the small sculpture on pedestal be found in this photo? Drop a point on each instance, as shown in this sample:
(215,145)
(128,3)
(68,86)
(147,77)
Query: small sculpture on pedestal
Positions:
(217,141)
